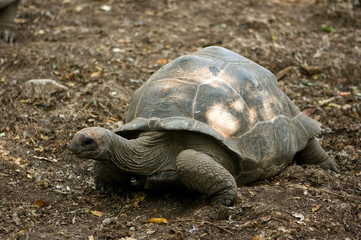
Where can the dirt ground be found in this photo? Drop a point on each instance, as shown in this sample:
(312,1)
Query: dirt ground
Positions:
(104,50)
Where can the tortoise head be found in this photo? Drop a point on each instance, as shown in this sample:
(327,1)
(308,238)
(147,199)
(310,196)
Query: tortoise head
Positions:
(92,143)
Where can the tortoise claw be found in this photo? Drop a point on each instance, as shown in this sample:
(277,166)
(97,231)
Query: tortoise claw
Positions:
(108,187)
(329,164)
(7,35)
(224,198)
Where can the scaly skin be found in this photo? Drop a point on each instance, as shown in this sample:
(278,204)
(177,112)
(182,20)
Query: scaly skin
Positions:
(200,172)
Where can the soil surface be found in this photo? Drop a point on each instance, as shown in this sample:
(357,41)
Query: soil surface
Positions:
(104,50)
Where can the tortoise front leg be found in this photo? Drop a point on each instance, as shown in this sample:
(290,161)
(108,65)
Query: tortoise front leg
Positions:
(200,172)
(108,178)
(313,153)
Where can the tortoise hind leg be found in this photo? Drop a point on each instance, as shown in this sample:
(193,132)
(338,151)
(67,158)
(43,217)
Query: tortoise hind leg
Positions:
(313,153)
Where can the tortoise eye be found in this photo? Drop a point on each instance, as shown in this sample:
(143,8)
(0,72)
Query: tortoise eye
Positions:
(87,141)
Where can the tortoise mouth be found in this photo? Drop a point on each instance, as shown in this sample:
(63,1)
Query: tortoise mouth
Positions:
(83,154)
(79,151)
(73,149)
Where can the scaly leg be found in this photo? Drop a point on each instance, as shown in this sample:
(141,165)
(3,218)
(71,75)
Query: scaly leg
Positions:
(313,153)
(200,172)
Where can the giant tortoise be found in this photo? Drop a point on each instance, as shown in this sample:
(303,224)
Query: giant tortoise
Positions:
(211,120)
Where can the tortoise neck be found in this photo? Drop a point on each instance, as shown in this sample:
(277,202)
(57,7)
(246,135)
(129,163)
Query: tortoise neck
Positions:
(145,155)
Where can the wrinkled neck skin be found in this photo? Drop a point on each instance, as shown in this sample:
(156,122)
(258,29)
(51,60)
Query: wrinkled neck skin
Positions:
(148,154)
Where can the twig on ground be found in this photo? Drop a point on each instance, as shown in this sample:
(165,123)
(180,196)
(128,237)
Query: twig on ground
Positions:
(201,220)
(326,191)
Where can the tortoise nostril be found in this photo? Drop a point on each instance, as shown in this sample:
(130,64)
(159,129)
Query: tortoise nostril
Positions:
(87,141)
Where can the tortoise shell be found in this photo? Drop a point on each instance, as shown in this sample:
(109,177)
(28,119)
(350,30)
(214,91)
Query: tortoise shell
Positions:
(230,98)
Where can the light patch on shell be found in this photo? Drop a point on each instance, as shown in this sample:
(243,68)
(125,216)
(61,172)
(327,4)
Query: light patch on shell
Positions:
(252,116)
(202,75)
(219,118)
(238,105)
(213,82)
(267,111)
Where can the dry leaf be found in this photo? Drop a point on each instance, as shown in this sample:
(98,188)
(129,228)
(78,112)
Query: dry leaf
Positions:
(40,203)
(255,223)
(308,111)
(70,84)
(97,213)
(265,219)
(325,101)
(39,149)
(99,69)
(106,8)
(122,40)
(258,238)
(163,61)
(311,70)
(346,106)
(356,91)
(79,8)
(344,93)
(20,20)
(50,159)
(112,120)
(157,220)
(140,196)
(44,138)
(334,105)
(95,74)
(21,163)
(310,84)
(316,208)
(299,216)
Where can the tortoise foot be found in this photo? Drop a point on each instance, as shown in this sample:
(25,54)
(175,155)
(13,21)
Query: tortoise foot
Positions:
(329,164)
(108,187)
(7,35)
(109,179)
(226,198)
